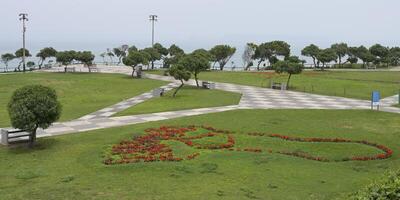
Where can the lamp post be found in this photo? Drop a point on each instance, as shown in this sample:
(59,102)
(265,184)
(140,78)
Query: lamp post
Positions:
(23,18)
(152,18)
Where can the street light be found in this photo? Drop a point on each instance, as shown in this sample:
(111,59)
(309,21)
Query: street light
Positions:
(23,18)
(152,18)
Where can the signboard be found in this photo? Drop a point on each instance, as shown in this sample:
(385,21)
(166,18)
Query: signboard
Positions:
(375,100)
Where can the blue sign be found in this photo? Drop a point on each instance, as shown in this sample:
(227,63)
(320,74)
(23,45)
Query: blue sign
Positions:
(376,97)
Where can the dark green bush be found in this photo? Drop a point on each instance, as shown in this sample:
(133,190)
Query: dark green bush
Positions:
(33,107)
(386,189)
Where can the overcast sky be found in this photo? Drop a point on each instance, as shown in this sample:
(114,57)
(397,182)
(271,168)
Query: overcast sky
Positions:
(98,24)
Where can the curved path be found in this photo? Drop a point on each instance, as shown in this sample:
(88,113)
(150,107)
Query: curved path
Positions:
(252,98)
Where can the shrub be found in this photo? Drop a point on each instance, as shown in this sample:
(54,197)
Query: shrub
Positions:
(32,107)
(388,189)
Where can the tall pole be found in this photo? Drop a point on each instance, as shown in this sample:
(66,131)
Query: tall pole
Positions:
(23,18)
(153,18)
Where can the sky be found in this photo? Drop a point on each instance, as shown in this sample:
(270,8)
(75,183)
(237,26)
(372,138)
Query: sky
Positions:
(100,24)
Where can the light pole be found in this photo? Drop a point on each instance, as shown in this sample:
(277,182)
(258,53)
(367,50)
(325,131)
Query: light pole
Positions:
(152,18)
(23,18)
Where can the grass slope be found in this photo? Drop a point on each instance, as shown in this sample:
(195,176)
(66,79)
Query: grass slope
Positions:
(357,85)
(78,93)
(187,98)
(70,166)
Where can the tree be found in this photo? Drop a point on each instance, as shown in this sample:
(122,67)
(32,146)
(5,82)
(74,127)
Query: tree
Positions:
(30,64)
(311,51)
(352,55)
(161,50)
(248,55)
(19,54)
(132,48)
(381,54)
(291,65)
(271,51)
(262,53)
(365,55)
(174,54)
(394,56)
(326,56)
(196,62)
(154,55)
(179,72)
(134,59)
(110,54)
(44,54)
(222,54)
(32,107)
(341,50)
(119,53)
(174,50)
(103,56)
(65,58)
(85,57)
(6,58)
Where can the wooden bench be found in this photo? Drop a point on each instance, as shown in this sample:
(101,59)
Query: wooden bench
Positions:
(12,136)
(158,92)
(208,85)
(371,67)
(278,86)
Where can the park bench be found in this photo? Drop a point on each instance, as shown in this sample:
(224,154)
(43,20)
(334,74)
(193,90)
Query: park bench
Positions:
(208,85)
(371,67)
(70,69)
(15,135)
(278,86)
(158,92)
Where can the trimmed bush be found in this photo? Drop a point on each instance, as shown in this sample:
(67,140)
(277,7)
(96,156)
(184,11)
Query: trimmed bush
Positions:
(32,107)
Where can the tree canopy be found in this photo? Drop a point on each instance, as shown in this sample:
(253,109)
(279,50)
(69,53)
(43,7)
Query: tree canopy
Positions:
(32,107)
(311,51)
(45,53)
(181,73)
(326,56)
(341,50)
(222,54)
(196,62)
(135,58)
(6,58)
(291,65)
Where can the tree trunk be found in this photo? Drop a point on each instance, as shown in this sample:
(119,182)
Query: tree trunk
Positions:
(119,60)
(288,80)
(315,64)
(178,88)
(258,65)
(195,78)
(221,66)
(133,72)
(323,66)
(32,138)
(340,61)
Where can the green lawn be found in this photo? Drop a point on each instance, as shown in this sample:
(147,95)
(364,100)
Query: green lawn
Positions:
(70,166)
(357,85)
(187,98)
(79,93)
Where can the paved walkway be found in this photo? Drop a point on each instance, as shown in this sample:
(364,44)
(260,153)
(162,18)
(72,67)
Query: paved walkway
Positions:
(252,98)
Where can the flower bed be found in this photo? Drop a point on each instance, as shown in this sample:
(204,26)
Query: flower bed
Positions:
(149,147)
(387,152)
